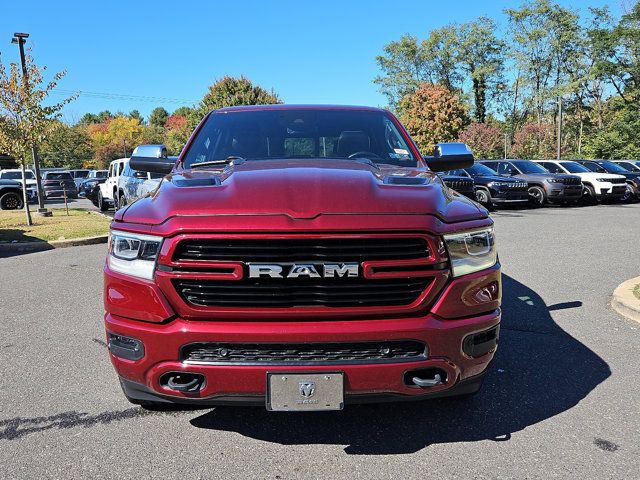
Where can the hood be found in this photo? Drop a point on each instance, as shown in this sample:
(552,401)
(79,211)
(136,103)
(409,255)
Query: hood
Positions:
(301,189)
(594,175)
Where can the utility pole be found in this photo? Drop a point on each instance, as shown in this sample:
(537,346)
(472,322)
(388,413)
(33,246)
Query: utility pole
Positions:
(506,136)
(559,142)
(20,40)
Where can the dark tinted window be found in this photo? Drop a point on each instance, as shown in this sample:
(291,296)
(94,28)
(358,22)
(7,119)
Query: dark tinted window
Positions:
(480,170)
(575,167)
(526,166)
(58,176)
(101,174)
(300,134)
(16,175)
(552,167)
(80,173)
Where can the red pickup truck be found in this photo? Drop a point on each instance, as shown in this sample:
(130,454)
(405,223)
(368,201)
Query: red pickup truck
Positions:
(301,258)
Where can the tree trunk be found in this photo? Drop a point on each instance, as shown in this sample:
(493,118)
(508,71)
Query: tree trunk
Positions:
(25,196)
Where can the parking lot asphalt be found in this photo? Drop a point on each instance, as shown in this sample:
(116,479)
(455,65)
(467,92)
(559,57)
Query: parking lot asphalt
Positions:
(562,399)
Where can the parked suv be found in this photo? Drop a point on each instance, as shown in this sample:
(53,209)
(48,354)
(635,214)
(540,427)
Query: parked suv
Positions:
(108,191)
(11,197)
(631,165)
(301,257)
(56,184)
(461,184)
(632,191)
(493,190)
(79,176)
(134,184)
(597,186)
(16,174)
(86,187)
(543,186)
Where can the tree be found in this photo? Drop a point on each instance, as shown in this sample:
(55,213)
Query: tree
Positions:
(486,141)
(177,133)
(66,146)
(432,114)
(158,117)
(231,91)
(135,115)
(26,112)
(534,141)
(481,55)
(120,134)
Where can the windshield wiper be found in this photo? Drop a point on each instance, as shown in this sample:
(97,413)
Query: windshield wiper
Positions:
(208,163)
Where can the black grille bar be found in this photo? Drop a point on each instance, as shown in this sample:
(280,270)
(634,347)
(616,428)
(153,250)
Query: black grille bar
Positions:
(303,353)
(280,293)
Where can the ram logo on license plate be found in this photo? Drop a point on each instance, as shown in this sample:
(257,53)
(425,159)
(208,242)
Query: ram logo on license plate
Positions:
(295,391)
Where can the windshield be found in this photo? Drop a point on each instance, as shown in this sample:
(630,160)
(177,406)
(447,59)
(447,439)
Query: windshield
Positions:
(81,173)
(101,174)
(574,167)
(613,167)
(477,169)
(529,167)
(16,175)
(300,134)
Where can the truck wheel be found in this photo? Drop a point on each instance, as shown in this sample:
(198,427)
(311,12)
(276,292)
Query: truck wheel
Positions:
(483,198)
(102,205)
(11,201)
(537,196)
(122,202)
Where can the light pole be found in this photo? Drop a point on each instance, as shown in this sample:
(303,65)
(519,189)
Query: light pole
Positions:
(20,40)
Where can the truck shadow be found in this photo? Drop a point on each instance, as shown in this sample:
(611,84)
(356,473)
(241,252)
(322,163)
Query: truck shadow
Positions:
(539,371)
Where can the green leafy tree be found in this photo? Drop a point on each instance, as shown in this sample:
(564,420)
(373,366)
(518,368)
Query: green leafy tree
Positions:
(26,112)
(231,91)
(481,55)
(158,117)
(432,114)
(66,146)
(534,141)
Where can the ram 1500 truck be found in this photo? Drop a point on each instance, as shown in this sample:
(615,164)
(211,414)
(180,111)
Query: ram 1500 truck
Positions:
(301,258)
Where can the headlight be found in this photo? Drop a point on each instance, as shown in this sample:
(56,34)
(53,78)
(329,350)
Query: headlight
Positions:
(603,179)
(133,254)
(471,251)
(554,180)
(498,184)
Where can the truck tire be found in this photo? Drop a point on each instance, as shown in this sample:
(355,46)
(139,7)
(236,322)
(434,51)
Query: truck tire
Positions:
(122,201)
(11,201)
(102,205)
(537,197)
(630,195)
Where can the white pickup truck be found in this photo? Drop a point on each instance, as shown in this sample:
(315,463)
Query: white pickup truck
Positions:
(108,194)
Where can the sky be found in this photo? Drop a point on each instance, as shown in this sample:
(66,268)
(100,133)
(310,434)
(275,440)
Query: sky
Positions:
(140,54)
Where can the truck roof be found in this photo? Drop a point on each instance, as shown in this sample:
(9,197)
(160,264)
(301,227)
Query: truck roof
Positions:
(289,106)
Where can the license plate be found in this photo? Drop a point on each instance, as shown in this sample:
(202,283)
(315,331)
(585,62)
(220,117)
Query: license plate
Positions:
(302,391)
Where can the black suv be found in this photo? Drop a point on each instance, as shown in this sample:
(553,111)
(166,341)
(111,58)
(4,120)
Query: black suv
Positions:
(56,184)
(11,195)
(461,184)
(605,166)
(492,189)
(544,186)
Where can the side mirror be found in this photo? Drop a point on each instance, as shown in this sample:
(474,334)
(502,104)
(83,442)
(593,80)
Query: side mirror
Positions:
(450,156)
(151,158)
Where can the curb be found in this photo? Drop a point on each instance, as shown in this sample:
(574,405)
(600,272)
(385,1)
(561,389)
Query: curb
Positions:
(42,246)
(625,302)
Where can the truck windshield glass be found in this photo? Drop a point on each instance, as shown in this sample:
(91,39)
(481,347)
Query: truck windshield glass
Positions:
(300,134)
(613,167)
(574,167)
(480,170)
(529,167)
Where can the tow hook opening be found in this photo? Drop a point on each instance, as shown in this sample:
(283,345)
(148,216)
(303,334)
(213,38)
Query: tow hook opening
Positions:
(425,378)
(182,381)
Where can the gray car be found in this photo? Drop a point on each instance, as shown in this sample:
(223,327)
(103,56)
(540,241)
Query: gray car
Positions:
(544,186)
(134,184)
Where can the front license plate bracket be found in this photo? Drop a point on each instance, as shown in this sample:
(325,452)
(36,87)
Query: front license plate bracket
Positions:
(287,392)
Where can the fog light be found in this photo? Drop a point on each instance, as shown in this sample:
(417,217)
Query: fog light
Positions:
(481,343)
(126,347)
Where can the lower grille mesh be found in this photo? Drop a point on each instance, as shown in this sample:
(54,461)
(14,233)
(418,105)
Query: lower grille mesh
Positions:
(250,353)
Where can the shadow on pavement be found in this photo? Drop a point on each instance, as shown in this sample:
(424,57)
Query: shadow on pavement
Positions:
(539,372)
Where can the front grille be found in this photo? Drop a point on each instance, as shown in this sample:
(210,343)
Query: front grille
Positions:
(301,249)
(283,293)
(460,185)
(617,181)
(303,353)
(571,181)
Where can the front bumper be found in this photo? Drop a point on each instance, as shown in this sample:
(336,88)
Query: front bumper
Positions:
(247,383)
(560,192)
